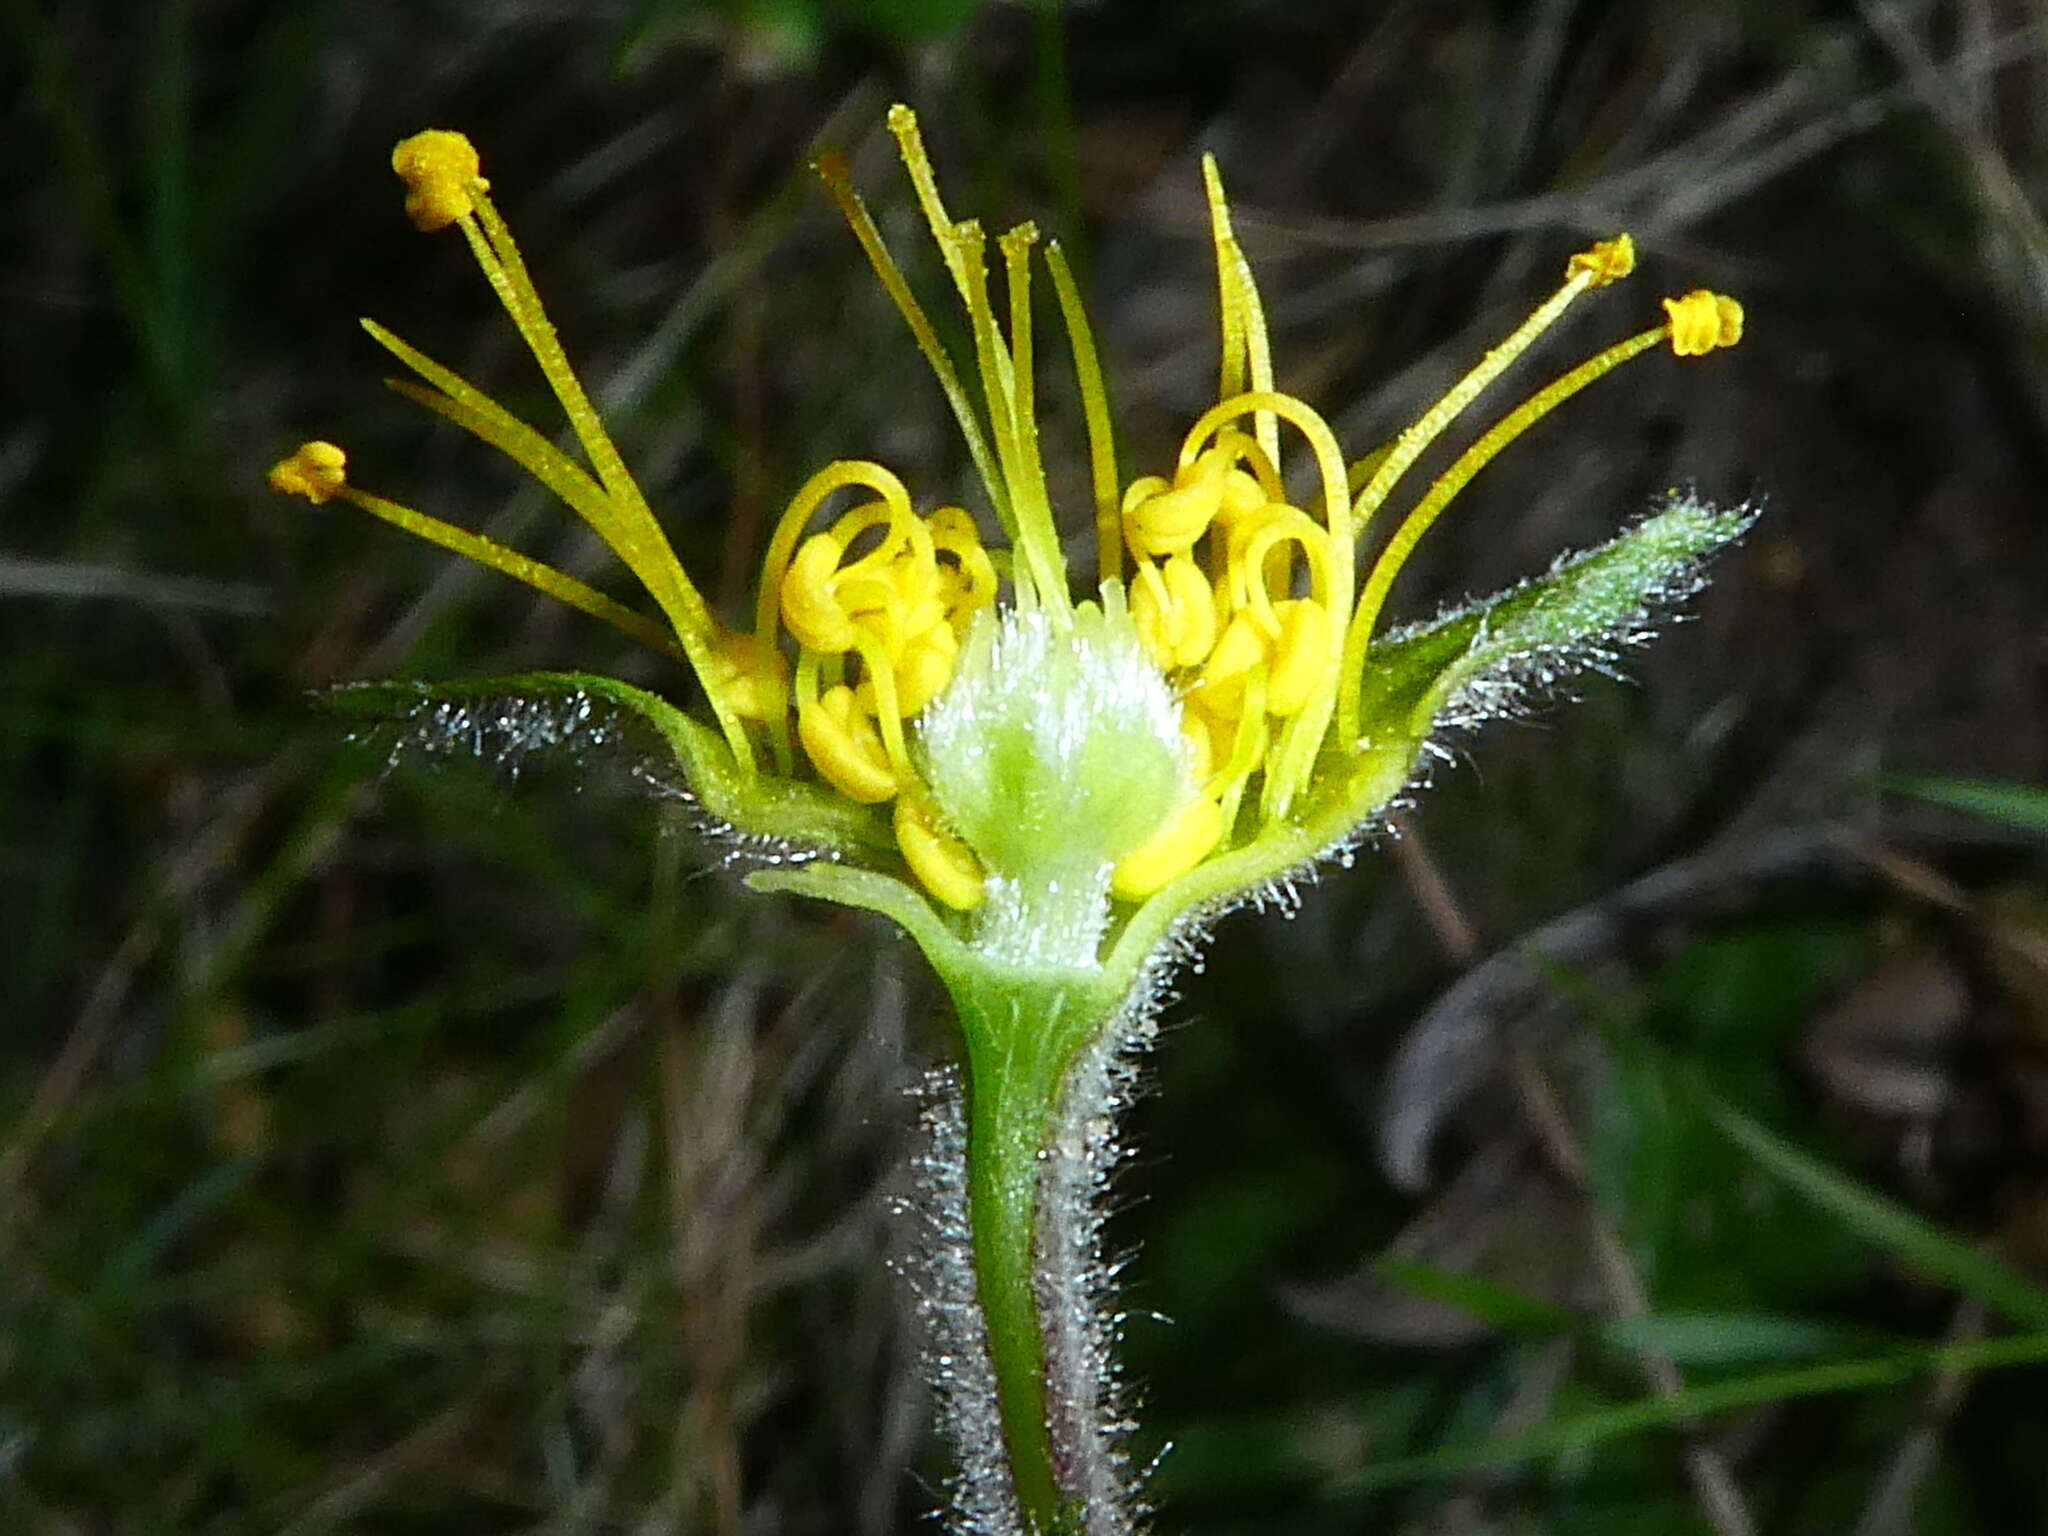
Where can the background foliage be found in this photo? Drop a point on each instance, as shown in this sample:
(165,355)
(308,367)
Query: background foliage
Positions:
(1651,1140)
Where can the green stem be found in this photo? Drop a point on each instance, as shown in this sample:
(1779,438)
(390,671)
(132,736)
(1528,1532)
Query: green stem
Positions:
(1022,1033)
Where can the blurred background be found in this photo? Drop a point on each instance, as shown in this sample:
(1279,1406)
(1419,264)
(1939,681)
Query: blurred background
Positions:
(1650,1139)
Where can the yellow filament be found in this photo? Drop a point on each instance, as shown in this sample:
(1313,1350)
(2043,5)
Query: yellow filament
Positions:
(317,471)
(1247,361)
(831,169)
(649,552)
(1468,464)
(461,402)
(1095,411)
(1607,261)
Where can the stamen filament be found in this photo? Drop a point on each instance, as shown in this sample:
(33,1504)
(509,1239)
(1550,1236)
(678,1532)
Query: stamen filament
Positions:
(1606,262)
(831,169)
(1095,411)
(1459,475)
(1247,360)
(522,568)
(490,240)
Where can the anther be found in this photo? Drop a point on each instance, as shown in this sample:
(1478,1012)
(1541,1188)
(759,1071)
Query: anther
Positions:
(440,170)
(1188,837)
(1609,261)
(1702,321)
(941,862)
(316,471)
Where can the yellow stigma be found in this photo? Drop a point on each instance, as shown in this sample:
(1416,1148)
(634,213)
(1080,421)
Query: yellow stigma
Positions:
(440,170)
(1702,321)
(316,471)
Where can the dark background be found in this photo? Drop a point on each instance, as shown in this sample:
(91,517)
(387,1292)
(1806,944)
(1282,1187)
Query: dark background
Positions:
(430,1151)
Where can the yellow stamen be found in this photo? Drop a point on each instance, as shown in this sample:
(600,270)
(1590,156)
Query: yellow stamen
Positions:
(775,566)
(941,862)
(1608,261)
(1700,322)
(1303,738)
(317,471)
(439,168)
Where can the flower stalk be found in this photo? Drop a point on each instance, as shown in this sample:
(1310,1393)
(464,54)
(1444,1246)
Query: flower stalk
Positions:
(1051,794)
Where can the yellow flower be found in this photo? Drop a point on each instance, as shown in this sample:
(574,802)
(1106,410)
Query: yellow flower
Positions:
(1208,698)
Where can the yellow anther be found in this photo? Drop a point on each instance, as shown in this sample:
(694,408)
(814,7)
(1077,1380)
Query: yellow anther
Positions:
(1188,837)
(942,863)
(440,170)
(845,747)
(1197,732)
(811,606)
(1168,522)
(1174,611)
(1243,496)
(920,668)
(1609,261)
(315,471)
(752,677)
(1701,321)
(1301,657)
(1239,652)
(969,585)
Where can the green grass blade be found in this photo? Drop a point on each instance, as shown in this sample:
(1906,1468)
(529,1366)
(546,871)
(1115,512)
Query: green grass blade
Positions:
(2017,805)
(1885,1223)
(1580,1432)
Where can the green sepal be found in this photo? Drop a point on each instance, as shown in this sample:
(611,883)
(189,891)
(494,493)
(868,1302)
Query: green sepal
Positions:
(1475,662)
(590,719)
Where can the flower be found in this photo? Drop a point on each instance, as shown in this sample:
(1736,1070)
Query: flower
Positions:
(1047,793)
(1050,772)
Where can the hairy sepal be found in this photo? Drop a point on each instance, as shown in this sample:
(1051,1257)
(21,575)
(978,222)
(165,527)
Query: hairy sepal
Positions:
(593,722)
(1483,661)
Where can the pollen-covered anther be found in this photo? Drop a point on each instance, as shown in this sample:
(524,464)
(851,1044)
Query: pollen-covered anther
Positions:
(440,170)
(1187,838)
(845,747)
(941,862)
(1608,261)
(316,471)
(1702,321)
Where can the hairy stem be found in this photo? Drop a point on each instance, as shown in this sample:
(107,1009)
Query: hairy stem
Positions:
(1022,1034)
